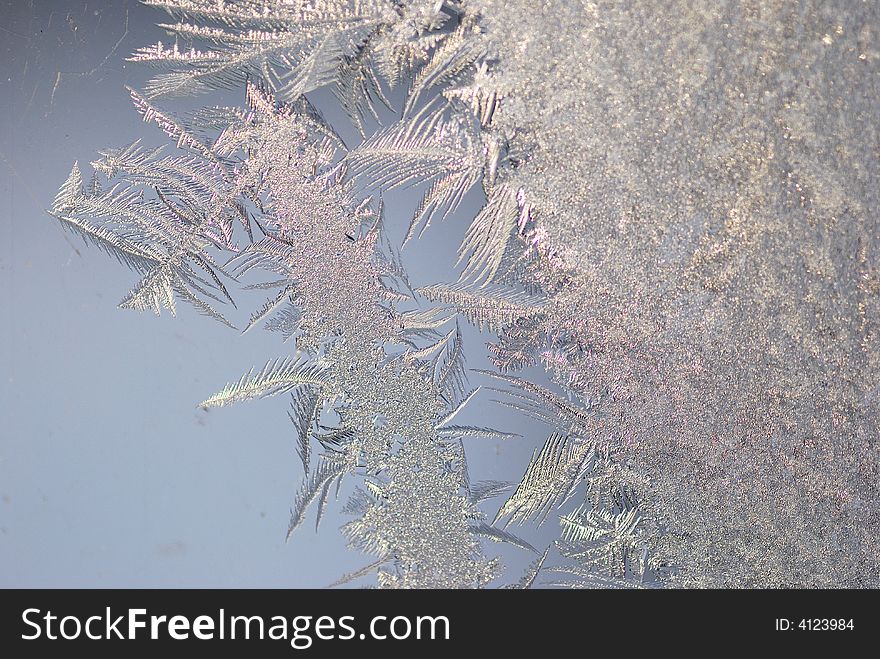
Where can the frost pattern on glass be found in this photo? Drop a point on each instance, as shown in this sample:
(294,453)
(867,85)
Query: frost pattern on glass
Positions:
(680,225)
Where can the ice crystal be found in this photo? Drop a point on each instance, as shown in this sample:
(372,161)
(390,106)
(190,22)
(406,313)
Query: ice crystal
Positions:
(275,168)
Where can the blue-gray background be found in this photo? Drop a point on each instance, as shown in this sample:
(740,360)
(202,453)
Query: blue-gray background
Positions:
(110,475)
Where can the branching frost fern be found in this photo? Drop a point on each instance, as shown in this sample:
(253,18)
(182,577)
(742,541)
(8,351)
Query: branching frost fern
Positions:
(268,197)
